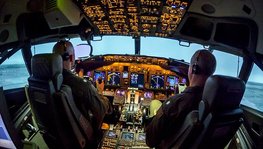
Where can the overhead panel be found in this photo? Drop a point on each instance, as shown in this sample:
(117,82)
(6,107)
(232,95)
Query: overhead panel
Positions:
(134,17)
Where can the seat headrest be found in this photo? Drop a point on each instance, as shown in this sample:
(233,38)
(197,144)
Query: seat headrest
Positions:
(222,93)
(48,67)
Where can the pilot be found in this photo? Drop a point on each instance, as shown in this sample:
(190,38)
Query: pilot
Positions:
(171,114)
(85,94)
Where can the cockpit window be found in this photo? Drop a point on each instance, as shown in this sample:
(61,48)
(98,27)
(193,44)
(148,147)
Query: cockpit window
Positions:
(227,64)
(42,48)
(167,48)
(113,45)
(13,72)
(253,95)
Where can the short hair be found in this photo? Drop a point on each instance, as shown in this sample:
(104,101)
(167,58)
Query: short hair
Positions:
(62,47)
(205,60)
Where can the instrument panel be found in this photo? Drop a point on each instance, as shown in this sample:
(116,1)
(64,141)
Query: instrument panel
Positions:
(142,76)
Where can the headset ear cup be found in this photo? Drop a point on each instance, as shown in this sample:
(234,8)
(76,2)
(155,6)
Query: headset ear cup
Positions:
(65,56)
(195,69)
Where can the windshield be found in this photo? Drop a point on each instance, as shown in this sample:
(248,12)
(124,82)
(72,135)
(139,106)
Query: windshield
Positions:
(227,64)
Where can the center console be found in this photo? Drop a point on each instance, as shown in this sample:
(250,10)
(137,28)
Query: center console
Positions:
(129,130)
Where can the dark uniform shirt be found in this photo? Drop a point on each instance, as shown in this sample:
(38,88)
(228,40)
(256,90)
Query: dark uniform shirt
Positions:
(171,115)
(86,98)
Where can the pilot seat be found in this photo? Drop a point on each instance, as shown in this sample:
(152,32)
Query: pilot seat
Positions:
(59,120)
(217,119)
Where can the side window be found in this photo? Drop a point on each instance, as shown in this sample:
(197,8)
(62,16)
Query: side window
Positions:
(253,95)
(42,48)
(227,64)
(13,72)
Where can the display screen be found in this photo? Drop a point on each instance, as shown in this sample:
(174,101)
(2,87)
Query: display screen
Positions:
(141,137)
(148,95)
(111,134)
(113,78)
(127,136)
(125,75)
(137,80)
(171,81)
(157,81)
(89,74)
(5,140)
(183,80)
(98,74)
(120,92)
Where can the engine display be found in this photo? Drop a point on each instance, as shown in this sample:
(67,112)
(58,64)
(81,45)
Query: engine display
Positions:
(125,75)
(113,78)
(157,82)
(171,81)
(137,80)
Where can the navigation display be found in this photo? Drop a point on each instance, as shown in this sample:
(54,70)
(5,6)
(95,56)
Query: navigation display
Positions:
(113,78)
(141,137)
(157,82)
(98,74)
(128,136)
(171,81)
(137,80)
(111,134)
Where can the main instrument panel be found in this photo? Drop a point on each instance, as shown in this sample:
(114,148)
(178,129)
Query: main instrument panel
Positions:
(143,76)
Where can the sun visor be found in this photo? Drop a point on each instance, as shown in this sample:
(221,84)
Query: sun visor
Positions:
(61,13)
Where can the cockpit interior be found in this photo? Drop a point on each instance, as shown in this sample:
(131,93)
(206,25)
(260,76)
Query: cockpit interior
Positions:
(131,83)
(38,111)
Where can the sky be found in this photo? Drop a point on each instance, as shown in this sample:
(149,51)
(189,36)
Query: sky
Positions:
(227,64)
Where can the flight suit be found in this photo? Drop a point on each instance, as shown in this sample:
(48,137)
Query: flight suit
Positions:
(87,99)
(171,115)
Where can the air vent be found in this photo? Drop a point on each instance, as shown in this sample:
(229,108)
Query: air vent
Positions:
(51,4)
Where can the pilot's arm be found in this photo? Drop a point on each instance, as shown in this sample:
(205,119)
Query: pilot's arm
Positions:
(100,105)
(162,123)
(92,102)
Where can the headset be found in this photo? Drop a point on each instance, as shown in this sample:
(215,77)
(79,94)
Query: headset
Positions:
(65,56)
(195,67)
